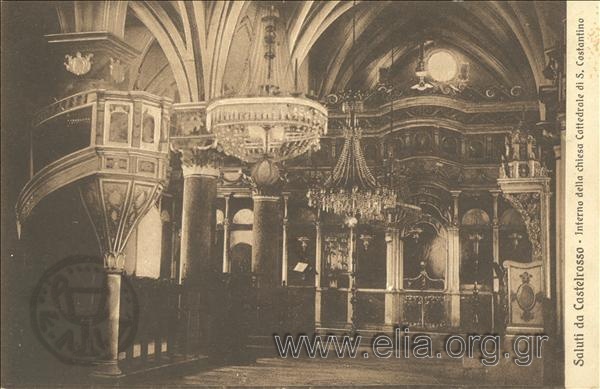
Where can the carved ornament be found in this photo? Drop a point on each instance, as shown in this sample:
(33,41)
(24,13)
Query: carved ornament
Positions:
(528,206)
(78,64)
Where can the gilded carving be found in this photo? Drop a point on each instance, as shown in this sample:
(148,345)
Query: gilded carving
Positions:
(528,206)
(146,167)
(186,123)
(78,64)
(118,71)
(526,297)
(203,160)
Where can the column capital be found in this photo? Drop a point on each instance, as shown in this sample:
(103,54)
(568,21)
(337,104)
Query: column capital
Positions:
(199,171)
(201,161)
(455,193)
(258,197)
(114,263)
(390,232)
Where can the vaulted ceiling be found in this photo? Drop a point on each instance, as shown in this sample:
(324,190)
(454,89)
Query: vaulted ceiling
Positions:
(197,51)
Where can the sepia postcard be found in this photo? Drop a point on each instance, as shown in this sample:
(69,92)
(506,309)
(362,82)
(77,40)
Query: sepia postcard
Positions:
(300,194)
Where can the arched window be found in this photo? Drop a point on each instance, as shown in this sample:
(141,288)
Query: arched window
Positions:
(243,216)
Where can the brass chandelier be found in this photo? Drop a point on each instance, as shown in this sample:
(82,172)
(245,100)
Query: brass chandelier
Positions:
(352,190)
(268,120)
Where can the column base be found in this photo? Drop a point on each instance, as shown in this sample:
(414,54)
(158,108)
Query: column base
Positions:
(454,308)
(107,369)
(393,308)
(318,305)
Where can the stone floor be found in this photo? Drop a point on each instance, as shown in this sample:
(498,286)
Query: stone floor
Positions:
(277,372)
(315,372)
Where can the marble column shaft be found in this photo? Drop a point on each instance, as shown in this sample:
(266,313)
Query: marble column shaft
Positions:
(226,259)
(394,276)
(266,235)
(109,366)
(453,276)
(198,223)
(318,269)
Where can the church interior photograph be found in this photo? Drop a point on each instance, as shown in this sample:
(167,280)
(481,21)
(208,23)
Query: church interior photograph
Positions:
(187,185)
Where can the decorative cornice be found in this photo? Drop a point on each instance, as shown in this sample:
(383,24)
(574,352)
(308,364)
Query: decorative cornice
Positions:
(94,41)
(452,103)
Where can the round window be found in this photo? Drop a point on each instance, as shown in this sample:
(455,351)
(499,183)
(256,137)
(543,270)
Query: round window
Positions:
(442,66)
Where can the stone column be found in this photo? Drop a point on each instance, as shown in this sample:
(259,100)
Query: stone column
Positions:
(399,249)
(265,255)
(545,200)
(266,234)
(198,221)
(560,232)
(399,284)
(318,268)
(109,366)
(226,260)
(265,248)
(350,318)
(284,248)
(394,276)
(495,236)
(453,276)
(199,265)
(390,261)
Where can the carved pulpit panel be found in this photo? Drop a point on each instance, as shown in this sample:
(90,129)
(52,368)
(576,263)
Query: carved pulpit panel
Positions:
(525,296)
(115,207)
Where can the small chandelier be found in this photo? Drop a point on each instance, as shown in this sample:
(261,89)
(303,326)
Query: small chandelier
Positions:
(265,122)
(352,190)
(421,71)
